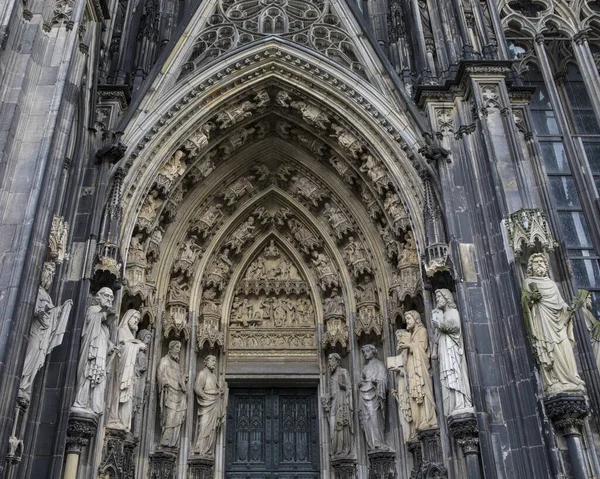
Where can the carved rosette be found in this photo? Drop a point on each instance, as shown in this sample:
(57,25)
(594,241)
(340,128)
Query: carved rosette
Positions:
(382,465)
(567,412)
(526,227)
(463,428)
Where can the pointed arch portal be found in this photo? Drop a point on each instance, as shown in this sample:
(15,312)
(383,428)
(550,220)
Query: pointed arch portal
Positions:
(263,188)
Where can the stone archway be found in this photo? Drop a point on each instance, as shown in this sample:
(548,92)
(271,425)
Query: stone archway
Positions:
(278,154)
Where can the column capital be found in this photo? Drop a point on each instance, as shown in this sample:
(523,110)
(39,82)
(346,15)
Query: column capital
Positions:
(567,412)
(463,428)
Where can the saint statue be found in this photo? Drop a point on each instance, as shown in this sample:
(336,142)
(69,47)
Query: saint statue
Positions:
(593,326)
(121,407)
(141,380)
(419,384)
(172,390)
(449,349)
(93,353)
(47,331)
(212,406)
(334,305)
(338,403)
(372,393)
(548,320)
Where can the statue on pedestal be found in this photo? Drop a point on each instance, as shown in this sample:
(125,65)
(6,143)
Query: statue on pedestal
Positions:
(372,393)
(212,406)
(93,353)
(47,331)
(172,389)
(456,389)
(141,381)
(338,403)
(122,401)
(419,385)
(549,324)
(593,326)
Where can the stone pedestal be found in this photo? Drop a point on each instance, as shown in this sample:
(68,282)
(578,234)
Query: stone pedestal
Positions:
(414,447)
(82,427)
(382,465)
(201,469)
(117,454)
(344,468)
(163,465)
(463,427)
(567,412)
(432,463)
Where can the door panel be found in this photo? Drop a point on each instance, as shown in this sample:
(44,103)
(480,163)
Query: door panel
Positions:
(272,434)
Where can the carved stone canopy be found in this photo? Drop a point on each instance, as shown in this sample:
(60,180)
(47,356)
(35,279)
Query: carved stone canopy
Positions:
(526,227)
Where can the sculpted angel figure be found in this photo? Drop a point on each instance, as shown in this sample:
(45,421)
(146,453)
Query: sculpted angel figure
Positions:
(549,323)
(46,333)
(241,235)
(324,270)
(593,326)
(175,167)
(128,348)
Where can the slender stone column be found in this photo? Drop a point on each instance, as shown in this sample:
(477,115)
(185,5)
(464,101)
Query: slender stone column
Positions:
(82,428)
(344,468)
(589,71)
(567,412)
(463,428)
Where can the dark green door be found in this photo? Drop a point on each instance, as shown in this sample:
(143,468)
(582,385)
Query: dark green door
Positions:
(272,434)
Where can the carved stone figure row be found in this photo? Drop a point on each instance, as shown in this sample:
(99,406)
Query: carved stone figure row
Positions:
(272,311)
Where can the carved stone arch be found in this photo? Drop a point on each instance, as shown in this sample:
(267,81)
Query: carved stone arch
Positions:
(387,124)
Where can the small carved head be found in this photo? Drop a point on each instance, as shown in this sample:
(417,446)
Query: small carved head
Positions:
(174,349)
(145,336)
(333,361)
(443,298)
(132,319)
(537,265)
(210,362)
(48,274)
(105,298)
(369,351)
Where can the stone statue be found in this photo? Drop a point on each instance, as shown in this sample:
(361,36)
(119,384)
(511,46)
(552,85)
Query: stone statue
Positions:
(172,390)
(419,384)
(456,391)
(322,265)
(338,403)
(139,387)
(334,305)
(93,353)
(212,405)
(548,320)
(593,326)
(47,331)
(122,401)
(372,394)
(241,235)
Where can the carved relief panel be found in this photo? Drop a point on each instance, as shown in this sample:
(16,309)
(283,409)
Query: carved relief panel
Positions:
(272,312)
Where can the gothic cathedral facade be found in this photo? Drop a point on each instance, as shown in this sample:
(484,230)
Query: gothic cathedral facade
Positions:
(299,239)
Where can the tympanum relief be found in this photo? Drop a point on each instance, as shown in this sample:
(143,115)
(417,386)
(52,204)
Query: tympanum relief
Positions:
(272,311)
